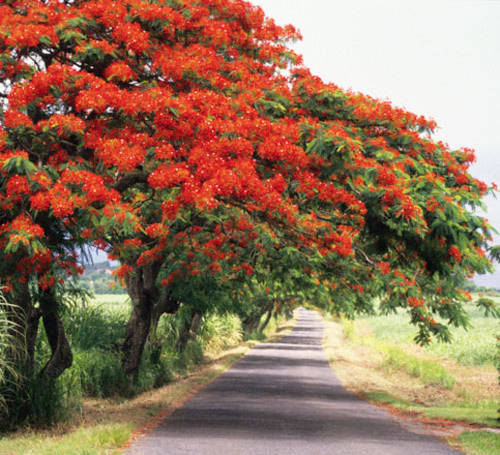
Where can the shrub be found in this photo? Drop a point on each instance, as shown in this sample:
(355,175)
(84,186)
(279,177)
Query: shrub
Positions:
(95,326)
(218,331)
(10,374)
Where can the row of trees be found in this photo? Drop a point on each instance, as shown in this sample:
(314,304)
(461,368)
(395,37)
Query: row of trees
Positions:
(98,279)
(187,140)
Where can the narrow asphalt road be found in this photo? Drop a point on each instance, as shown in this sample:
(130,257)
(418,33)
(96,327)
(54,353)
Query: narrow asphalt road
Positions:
(283,398)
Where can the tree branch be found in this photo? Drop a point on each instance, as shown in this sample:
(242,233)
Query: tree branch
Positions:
(131,179)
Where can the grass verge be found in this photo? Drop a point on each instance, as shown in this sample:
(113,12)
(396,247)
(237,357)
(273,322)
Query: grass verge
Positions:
(476,413)
(409,379)
(428,371)
(479,442)
(105,426)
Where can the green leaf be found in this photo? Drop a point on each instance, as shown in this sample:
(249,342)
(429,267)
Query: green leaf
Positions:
(19,165)
(45,40)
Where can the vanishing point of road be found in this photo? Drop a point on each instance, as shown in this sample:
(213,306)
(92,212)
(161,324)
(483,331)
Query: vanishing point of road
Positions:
(284,398)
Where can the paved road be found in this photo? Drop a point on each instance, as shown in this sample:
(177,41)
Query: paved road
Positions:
(283,398)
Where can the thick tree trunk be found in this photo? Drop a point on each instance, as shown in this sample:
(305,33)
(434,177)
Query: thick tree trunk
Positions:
(31,335)
(195,324)
(26,321)
(61,357)
(149,303)
(188,331)
(266,321)
(139,323)
(251,323)
(164,305)
(136,335)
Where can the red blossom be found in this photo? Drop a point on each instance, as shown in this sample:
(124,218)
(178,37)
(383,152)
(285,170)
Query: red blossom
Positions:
(454,252)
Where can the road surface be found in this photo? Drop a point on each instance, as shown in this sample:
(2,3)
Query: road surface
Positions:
(283,398)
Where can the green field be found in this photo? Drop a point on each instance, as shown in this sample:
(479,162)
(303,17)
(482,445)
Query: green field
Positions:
(112,299)
(474,346)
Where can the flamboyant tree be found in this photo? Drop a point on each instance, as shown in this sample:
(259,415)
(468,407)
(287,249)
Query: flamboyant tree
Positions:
(186,139)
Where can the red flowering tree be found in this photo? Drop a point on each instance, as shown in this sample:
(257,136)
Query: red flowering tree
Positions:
(187,140)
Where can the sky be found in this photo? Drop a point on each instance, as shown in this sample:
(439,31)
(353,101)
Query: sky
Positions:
(439,58)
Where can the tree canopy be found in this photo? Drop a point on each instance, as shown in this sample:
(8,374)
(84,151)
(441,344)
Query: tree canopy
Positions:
(187,139)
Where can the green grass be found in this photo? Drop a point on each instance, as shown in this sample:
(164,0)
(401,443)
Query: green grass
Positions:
(218,333)
(483,413)
(429,371)
(392,337)
(96,325)
(112,299)
(395,402)
(349,330)
(479,442)
(96,440)
(475,346)
(9,371)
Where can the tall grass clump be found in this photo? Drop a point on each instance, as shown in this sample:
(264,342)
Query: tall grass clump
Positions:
(96,373)
(219,331)
(95,326)
(95,333)
(430,372)
(45,401)
(348,329)
(10,374)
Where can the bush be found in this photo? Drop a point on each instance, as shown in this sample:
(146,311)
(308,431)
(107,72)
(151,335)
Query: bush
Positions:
(48,401)
(219,331)
(36,400)
(97,373)
(95,326)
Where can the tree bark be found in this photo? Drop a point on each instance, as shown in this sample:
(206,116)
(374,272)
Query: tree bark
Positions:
(266,321)
(31,335)
(142,289)
(149,303)
(165,305)
(250,323)
(188,331)
(139,323)
(61,357)
(195,324)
